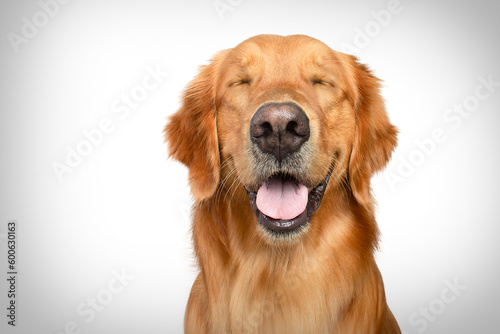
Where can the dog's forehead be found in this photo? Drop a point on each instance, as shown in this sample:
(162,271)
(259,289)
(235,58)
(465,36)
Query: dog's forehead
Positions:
(296,49)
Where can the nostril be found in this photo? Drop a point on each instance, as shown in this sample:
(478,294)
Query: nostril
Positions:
(298,129)
(267,129)
(291,127)
(262,130)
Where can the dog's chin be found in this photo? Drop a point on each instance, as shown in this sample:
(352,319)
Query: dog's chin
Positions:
(289,230)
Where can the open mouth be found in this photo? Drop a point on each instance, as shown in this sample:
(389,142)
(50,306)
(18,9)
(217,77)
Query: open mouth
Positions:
(284,205)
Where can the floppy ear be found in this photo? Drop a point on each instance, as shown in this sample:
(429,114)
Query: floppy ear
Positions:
(375,137)
(192,133)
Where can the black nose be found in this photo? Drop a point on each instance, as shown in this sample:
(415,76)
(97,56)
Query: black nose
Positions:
(279,128)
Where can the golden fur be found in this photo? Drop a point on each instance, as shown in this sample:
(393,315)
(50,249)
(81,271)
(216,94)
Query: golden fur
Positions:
(325,279)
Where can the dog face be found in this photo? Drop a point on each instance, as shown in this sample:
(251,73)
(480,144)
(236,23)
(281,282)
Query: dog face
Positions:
(288,120)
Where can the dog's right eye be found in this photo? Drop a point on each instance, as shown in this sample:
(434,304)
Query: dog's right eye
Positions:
(317,82)
(321,82)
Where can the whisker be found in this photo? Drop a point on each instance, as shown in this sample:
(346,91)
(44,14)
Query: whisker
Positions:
(224,182)
(230,188)
(240,182)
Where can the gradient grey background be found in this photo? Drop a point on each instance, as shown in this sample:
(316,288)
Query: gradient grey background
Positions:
(125,207)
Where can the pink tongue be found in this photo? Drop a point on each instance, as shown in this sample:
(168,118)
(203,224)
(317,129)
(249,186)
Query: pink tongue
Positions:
(282,199)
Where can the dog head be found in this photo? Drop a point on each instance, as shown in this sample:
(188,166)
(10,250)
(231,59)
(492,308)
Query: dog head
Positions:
(289,121)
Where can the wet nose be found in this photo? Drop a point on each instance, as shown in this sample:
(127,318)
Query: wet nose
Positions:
(279,128)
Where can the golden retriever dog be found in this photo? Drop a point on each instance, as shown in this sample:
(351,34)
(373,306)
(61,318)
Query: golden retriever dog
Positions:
(281,135)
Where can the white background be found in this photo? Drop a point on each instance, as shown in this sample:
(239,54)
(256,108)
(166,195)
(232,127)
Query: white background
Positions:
(125,207)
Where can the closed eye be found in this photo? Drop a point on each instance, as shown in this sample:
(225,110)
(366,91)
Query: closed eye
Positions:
(322,82)
(245,81)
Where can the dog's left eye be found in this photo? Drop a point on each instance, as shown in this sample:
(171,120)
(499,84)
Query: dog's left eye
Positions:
(245,81)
